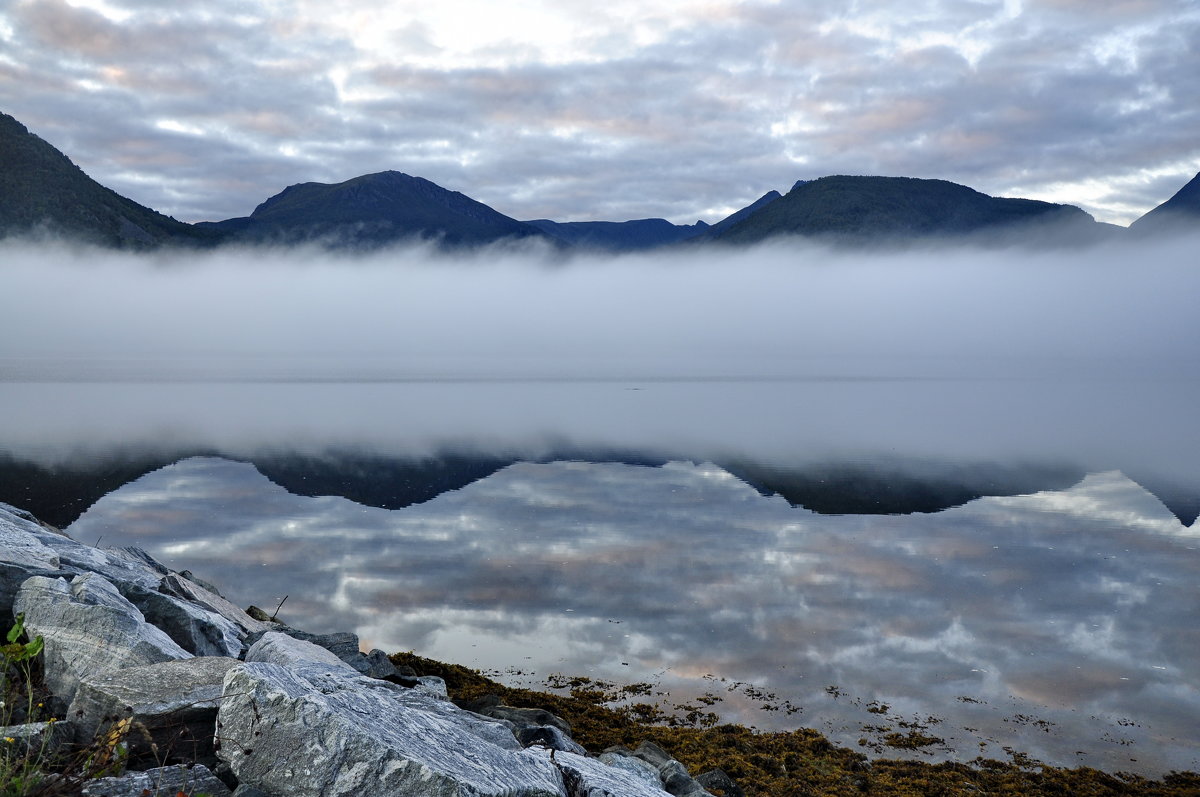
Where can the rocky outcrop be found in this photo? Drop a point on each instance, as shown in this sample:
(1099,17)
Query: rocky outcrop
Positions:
(158,667)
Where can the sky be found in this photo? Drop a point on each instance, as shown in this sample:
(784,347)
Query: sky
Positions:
(681,109)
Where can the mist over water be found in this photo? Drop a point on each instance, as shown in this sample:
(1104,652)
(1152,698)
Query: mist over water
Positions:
(779,352)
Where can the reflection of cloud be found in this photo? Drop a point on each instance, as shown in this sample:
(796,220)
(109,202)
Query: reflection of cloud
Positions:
(681,571)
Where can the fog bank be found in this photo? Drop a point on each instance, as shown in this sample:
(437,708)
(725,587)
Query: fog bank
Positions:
(781,353)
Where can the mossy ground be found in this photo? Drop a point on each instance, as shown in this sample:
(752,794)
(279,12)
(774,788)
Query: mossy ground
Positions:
(783,764)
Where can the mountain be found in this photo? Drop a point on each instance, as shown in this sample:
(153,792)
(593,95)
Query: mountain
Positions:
(888,208)
(619,236)
(371,211)
(1181,211)
(639,234)
(42,193)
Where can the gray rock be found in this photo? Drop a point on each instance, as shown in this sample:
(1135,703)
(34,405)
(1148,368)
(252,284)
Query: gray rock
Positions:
(42,739)
(22,555)
(549,737)
(342,644)
(275,647)
(196,630)
(173,706)
(625,760)
(88,629)
(160,782)
(490,706)
(375,664)
(720,780)
(177,586)
(320,730)
(672,774)
(589,777)
(246,790)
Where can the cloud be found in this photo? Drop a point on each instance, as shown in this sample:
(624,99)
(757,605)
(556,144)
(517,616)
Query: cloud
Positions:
(685,111)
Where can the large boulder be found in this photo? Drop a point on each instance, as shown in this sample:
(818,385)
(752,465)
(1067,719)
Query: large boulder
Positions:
(88,628)
(172,705)
(196,630)
(315,729)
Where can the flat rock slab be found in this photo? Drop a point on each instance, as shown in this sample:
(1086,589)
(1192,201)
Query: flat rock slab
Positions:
(313,730)
(162,781)
(175,702)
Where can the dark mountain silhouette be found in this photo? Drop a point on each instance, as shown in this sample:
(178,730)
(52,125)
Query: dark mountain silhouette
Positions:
(888,208)
(43,194)
(640,234)
(1180,212)
(371,211)
(732,219)
(619,236)
(59,494)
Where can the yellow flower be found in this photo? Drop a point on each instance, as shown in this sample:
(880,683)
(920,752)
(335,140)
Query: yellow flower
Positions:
(9,739)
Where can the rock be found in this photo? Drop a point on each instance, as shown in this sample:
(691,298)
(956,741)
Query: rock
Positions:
(320,730)
(275,647)
(89,628)
(719,780)
(175,702)
(589,777)
(490,706)
(176,585)
(22,555)
(43,739)
(160,781)
(621,758)
(245,790)
(196,630)
(549,737)
(375,664)
(672,775)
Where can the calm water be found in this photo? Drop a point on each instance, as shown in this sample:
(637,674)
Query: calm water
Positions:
(1061,623)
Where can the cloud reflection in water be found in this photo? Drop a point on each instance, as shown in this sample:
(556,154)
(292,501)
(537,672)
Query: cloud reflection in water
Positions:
(1076,607)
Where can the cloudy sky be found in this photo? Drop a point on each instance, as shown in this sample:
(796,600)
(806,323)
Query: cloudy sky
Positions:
(683,109)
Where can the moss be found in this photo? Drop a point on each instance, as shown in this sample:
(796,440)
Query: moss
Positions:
(787,763)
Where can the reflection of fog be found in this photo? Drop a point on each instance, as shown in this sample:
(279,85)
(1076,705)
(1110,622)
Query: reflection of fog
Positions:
(1077,607)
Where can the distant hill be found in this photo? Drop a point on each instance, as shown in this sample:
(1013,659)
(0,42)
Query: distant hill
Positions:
(640,234)
(619,236)
(371,211)
(886,208)
(1181,212)
(42,193)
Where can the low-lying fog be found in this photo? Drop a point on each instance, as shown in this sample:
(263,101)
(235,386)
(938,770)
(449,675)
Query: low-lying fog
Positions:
(946,352)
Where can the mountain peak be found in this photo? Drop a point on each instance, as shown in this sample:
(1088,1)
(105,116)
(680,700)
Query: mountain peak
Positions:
(42,192)
(1181,210)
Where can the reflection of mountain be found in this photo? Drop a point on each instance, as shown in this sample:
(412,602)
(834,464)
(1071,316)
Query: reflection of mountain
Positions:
(61,493)
(1076,606)
(900,488)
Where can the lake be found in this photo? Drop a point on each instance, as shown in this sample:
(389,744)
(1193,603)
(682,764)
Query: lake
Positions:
(958,498)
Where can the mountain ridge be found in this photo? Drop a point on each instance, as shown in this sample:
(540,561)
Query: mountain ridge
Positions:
(43,193)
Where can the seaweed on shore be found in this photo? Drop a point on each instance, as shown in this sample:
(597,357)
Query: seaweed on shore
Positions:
(784,763)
